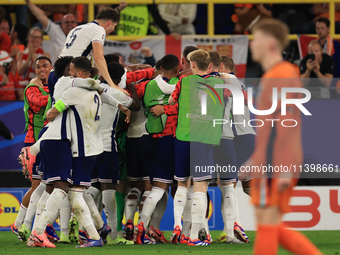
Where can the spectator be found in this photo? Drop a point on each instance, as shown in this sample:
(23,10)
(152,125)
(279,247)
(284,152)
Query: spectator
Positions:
(179,17)
(18,37)
(56,33)
(135,21)
(325,40)
(8,82)
(5,26)
(322,10)
(320,69)
(5,40)
(4,131)
(246,15)
(149,59)
(27,58)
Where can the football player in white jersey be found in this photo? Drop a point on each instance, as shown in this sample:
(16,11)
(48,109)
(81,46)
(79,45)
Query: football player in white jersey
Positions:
(107,165)
(82,124)
(88,40)
(244,142)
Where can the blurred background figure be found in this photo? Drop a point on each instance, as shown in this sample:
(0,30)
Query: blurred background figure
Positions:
(246,15)
(5,40)
(57,33)
(26,59)
(5,26)
(18,37)
(179,17)
(8,83)
(4,131)
(322,10)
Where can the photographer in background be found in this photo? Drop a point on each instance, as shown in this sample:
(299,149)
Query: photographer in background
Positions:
(317,65)
(8,82)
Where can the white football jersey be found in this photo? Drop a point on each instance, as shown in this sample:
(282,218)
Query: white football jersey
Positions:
(109,116)
(58,129)
(242,127)
(137,124)
(79,40)
(227,132)
(84,116)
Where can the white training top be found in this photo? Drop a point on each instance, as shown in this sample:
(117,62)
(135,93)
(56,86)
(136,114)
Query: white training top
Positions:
(137,124)
(242,127)
(84,116)
(58,37)
(79,40)
(110,114)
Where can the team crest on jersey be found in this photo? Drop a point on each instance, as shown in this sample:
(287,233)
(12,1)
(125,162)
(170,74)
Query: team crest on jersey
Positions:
(103,37)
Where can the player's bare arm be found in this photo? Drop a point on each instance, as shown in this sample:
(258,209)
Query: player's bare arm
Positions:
(99,59)
(52,114)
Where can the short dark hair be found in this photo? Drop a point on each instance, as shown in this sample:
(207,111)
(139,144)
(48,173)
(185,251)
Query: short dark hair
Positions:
(116,70)
(2,13)
(228,62)
(169,62)
(108,13)
(215,58)
(187,50)
(43,57)
(21,31)
(111,58)
(61,64)
(82,63)
(158,64)
(324,20)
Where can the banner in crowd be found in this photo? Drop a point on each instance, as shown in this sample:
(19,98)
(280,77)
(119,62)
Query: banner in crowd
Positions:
(312,208)
(235,46)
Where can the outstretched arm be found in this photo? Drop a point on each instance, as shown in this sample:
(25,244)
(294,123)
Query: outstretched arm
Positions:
(38,13)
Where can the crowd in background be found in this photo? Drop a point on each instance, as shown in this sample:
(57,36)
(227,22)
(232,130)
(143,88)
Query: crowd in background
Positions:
(23,27)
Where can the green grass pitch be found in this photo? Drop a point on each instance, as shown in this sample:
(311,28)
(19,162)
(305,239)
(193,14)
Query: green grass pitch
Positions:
(327,241)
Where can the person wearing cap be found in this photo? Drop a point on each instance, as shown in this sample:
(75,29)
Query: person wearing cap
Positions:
(8,82)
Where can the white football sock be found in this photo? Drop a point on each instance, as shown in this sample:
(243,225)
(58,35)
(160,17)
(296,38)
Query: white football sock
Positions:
(21,216)
(65,215)
(180,200)
(150,204)
(205,212)
(197,213)
(110,209)
(32,207)
(51,208)
(96,195)
(228,208)
(237,212)
(141,204)
(81,210)
(158,213)
(132,203)
(40,208)
(97,217)
(187,212)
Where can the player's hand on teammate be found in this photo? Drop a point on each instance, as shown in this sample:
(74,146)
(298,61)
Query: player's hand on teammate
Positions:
(157,110)
(37,82)
(122,90)
(123,109)
(127,117)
